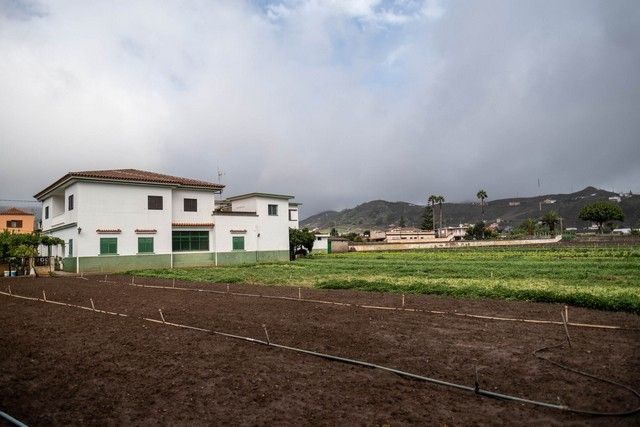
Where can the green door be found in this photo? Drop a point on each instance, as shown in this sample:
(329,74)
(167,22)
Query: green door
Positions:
(329,246)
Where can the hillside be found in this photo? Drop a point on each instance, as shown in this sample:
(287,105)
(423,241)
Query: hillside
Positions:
(380,214)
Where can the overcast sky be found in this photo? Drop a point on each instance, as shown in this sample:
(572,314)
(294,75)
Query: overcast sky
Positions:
(336,102)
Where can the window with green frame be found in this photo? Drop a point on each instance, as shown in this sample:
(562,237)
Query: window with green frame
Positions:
(108,246)
(238,243)
(183,241)
(145,245)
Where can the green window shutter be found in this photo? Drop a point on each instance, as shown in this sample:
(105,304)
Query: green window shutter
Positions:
(108,245)
(70,247)
(145,245)
(238,243)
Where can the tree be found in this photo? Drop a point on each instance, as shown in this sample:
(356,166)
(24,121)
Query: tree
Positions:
(550,219)
(433,199)
(427,218)
(482,195)
(601,212)
(529,226)
(440,200)
(479,231)
(334,232)
(402,223)
(300,241)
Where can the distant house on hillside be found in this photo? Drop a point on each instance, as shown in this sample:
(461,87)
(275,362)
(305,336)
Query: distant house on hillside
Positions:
(17,221)
(616,199)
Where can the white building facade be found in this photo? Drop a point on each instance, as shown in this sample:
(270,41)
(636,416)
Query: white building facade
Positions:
(127,219)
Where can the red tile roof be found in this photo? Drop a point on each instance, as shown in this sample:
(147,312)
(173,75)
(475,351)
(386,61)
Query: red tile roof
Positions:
(146,231)
(192,224)
(133,175)
(15,211)
(109,231)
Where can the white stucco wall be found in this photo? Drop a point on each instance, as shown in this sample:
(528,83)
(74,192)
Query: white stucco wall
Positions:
(206,205)
(223,238)
(110,206)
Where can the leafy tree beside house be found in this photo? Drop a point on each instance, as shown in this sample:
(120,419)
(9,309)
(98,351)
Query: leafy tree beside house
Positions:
(402,222)
(601,212)
(300,241)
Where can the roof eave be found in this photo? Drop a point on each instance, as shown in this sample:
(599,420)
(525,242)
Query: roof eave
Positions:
(69,177)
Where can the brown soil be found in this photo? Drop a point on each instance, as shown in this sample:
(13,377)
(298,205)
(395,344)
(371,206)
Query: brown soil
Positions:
(63,365)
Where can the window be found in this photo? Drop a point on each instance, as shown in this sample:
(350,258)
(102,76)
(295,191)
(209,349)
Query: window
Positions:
(154,203)
(46,212)
(108,246)
(273,210)
(319,238)
(191,205)
(238,243)
(14,223)
(70,247)
(145,245)
(183,241)
(293,214)
(70,203)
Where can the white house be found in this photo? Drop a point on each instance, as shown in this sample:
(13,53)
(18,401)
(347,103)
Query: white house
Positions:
(321,243)
(117,220)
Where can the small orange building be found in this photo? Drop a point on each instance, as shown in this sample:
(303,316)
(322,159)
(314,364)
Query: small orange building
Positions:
(17,221)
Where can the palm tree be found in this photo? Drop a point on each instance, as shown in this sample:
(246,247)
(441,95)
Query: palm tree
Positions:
(482,195)
(550,219)
(433,199)
(440,200)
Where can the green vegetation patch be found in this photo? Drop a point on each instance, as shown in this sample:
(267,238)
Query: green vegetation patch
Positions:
(603,278)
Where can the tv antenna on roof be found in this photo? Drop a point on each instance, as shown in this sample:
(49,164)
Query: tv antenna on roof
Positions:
(220,175)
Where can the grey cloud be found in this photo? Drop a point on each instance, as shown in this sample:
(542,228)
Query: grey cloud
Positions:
(337,112)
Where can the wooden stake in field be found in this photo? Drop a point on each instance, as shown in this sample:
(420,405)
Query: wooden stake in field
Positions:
(566,313)
(133,279)
(266,333)
(161,315)
(402,300)
(44,296)
(566,329)
(10,290)
(299,293)
(227,288)
(105,277)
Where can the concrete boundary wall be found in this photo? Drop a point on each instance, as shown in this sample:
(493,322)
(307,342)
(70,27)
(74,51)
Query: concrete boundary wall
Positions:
(456,244)
(120,263)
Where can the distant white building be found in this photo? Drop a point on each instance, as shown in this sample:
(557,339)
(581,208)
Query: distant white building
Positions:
(407,235)
(623,231)
(123,219)
(616,199)
(321,243)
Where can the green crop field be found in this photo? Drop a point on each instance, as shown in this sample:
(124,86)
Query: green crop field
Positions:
(603,278)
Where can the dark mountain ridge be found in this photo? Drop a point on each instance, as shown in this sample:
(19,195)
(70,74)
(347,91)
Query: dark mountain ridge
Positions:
(380,214)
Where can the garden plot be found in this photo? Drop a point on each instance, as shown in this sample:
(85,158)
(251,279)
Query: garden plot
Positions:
(65,364)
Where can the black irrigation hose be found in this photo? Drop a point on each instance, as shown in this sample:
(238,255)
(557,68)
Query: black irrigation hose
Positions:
(476,389)
(595,377)
(11,420)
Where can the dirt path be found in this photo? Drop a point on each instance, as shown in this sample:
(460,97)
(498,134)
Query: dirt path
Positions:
(63,365)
